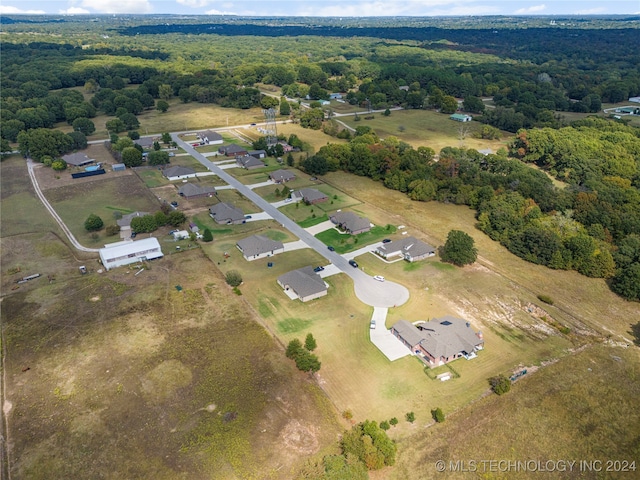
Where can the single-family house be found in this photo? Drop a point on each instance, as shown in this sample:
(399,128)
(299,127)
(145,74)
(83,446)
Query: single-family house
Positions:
(440,340)
(210,137)
(249,162)
(225,213)
(461,117)
(259,246)
(259,154)
(232,150)
(125,223)
(634,99)
(324,103)
(190,190)
(409,248)
(310,196)
(146,142)
(350,222)
(304,283)
(282,176)
(127,252)
(178,172)
(288,148)
(77,159)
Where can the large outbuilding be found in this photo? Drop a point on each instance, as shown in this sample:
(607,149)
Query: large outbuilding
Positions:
(128,252)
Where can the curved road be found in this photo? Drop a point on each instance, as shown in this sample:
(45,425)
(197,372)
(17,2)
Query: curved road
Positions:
(47,205)
(368,290)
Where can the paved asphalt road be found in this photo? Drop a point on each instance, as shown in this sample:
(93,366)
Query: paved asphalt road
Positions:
(368,290)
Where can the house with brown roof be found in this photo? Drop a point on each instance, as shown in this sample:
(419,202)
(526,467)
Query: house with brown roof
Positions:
(350,222)
(190,190)
(304,284)
(249,162)
(440,340)
(282,176)
(310,196)
(259,246)
(125,223)
(232,150)
(409,248)
(225,213)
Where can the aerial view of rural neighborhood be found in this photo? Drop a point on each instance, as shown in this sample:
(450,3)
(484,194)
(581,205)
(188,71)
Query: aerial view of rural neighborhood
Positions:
(294,240)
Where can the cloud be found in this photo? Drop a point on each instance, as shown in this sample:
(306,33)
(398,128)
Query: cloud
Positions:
(118,6)
(218,12)
(533,9)
(196,3)
(590,11)
(74,11)
(397,8)
(8,10)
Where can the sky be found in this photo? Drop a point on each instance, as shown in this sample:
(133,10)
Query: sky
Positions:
(323,8)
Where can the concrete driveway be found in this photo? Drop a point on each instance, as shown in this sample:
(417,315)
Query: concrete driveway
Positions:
(261,184)
(321,227)
(382,338)
(258,216)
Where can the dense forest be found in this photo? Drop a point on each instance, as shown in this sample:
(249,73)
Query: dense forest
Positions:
(530,75)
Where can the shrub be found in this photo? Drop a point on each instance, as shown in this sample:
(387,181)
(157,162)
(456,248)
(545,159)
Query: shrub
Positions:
(411,417)
(59,165)
(384,425)
(459,249)
(113,230)
(370,444)
(93,223)
(310,343)
(500,384)
(233,278)
(207,236)
(393,422)
(546,299)
(438,415)
(347,414)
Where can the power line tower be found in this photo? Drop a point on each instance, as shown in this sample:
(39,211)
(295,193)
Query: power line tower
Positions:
(270,129)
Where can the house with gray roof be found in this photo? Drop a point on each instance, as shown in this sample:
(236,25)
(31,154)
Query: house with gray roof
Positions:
(225,213)
(310,196)
(146,142)
(125,223)
(258,153)
(303,283)
(191,190)
(350,222)
(249,162)
(77,159)
(259,246)
(409,248)
(282,176)
(178,172)
(232,150)
(440,340)
(209,137)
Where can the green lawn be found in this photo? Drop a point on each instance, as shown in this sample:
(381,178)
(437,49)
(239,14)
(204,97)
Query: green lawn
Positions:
(344,243)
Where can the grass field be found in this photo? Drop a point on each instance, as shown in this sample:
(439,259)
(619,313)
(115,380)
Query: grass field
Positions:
(344,243)
(426,128)
(562,412)
(131,377)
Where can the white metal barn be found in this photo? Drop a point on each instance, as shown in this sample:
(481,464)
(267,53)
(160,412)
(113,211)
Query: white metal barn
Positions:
(123,253)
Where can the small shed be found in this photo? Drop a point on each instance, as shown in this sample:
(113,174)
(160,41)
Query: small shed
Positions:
(118,167)
(460,117)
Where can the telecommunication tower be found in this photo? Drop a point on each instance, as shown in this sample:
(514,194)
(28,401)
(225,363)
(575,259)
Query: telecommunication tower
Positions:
(270,129)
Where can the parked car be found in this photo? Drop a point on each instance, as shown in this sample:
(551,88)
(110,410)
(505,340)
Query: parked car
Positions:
(353,263)
(379,278)
(174,204)
(386,240)
(331,249)
(318,268)
(133,234)
(248,216)
(287,200)
(372,325)
(171,232)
